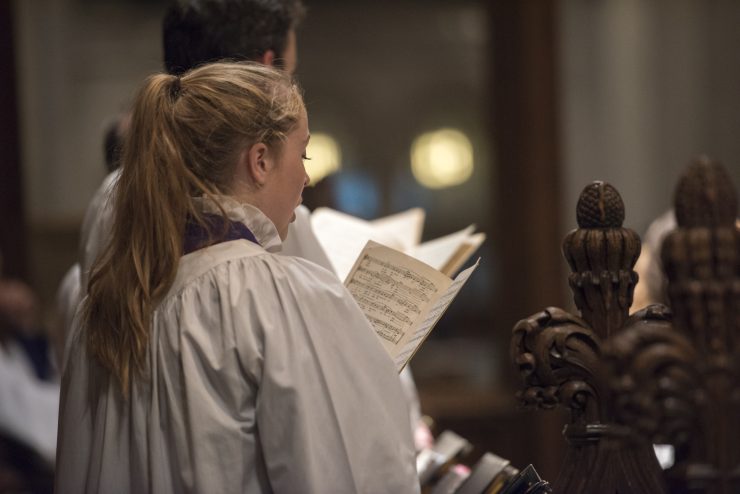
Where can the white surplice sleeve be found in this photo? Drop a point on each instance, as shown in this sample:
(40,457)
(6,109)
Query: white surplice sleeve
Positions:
(331,414)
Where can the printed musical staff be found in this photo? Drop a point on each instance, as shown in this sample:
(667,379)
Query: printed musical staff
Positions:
(435,313)
(402,298)
(391,296)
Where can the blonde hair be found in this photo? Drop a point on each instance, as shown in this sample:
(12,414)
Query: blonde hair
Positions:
(185,137)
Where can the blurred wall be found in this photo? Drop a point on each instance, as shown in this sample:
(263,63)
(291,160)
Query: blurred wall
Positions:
(78,64)
(646,86)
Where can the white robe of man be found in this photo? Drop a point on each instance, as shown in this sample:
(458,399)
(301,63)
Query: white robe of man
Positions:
(263,375)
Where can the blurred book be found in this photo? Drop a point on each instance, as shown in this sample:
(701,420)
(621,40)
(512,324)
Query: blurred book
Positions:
(489,475)
(527,481)
(442,470)
(433,463)
(451,480)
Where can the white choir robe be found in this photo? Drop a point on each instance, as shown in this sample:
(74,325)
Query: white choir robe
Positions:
(263,376)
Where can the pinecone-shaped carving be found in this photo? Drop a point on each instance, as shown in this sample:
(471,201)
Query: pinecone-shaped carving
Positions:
(601,254)
(705,196)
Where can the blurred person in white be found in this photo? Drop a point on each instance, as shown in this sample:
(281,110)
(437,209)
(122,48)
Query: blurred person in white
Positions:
(652,281)
(200,361)
(29,392)
(195,32)
(651,288)
(68,293)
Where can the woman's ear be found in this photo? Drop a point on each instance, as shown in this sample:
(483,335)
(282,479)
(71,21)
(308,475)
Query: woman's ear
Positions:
(256,161)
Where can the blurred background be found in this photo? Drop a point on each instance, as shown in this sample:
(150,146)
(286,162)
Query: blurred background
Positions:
(545,96)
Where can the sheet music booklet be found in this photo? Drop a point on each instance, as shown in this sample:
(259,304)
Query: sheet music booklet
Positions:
(402,297)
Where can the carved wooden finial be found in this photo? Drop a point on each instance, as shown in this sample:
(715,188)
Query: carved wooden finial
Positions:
(600,206)
(705,196)
(560,355)
(701,259)
(601,254)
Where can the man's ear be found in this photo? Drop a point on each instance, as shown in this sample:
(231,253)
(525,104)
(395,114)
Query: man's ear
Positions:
(267,58)
(257,160)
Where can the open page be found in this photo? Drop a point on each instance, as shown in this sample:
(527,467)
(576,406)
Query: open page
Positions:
(402,297)
(449,253)
(406,227)
(342,236)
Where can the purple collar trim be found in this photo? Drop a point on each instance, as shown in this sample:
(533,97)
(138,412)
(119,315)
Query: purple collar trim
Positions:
(197,237)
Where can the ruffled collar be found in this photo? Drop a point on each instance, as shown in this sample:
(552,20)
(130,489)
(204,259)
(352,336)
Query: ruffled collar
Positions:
(255,220)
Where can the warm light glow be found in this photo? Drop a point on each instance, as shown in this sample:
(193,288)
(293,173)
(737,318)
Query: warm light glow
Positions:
(442,158)
(325,156)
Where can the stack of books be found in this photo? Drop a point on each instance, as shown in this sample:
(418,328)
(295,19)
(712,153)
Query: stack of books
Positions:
(442,470)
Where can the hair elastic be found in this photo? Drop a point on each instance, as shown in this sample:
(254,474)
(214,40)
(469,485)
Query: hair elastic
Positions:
(175,87)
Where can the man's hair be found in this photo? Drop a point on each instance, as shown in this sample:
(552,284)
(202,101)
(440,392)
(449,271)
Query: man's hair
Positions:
(196,32)
(113,136)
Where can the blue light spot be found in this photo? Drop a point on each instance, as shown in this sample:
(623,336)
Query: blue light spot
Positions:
(357,193)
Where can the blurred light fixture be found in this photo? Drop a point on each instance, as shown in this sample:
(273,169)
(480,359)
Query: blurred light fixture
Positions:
(442,158)
(325,155)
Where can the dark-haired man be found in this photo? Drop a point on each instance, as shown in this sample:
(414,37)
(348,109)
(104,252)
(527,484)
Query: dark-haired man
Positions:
(198,32)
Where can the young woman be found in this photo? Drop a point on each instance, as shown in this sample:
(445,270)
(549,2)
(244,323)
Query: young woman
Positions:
(200,361)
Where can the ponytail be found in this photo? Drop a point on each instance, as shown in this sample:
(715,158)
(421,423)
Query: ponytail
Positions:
(139,263)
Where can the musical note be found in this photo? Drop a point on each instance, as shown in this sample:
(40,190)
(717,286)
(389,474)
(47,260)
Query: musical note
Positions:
(435,312)
(390,296)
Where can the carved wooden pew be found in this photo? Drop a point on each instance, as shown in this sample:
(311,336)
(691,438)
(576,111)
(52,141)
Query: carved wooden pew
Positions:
(567,360)
(653,377)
